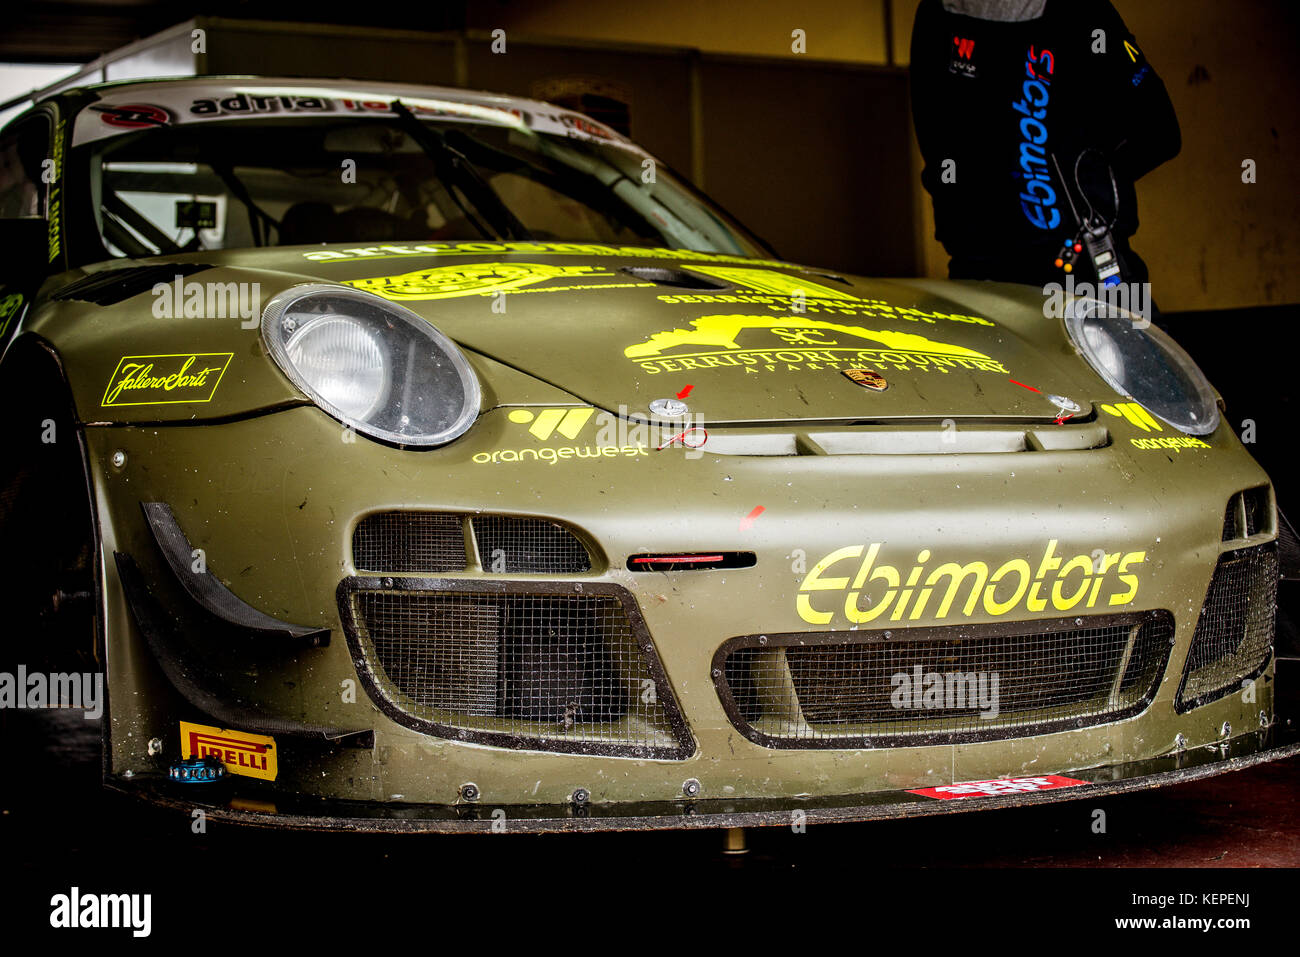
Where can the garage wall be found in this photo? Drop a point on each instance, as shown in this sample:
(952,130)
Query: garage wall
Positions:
(844,30)
(815,150)
(1210,240)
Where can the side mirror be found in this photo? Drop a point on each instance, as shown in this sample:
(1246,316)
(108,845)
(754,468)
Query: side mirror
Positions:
(24,252)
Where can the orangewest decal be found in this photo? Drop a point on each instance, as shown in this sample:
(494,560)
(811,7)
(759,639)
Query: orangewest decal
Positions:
(166,380)
(714,343)
(1135,415)
(478,279)
(252,755)
(567,423)
(1058,582)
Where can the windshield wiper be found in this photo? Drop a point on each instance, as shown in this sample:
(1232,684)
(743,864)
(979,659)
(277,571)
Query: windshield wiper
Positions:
(455,170)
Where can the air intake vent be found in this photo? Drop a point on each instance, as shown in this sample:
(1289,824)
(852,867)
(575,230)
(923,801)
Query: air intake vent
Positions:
(1257,510)
(410,542)
(430,542)
(532,665)
(1234,636)
(528,546)
(868,689)
(677,278)
(1249,513)
(117,285)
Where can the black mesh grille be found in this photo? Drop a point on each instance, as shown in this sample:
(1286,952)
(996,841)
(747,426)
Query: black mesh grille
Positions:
(528,546)
(409,542)
(1234,636)
(873,689)
(561,670)
(1230,520)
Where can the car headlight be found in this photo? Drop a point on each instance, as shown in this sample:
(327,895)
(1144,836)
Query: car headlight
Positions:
(373,365)
(1138,360)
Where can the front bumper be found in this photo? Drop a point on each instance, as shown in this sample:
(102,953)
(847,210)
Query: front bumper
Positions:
(1244,751)
(271,503)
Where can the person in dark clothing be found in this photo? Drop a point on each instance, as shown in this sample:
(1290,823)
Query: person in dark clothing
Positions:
(1035,118)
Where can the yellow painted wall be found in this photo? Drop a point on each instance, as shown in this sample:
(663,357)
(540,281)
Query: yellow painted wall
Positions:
(847,30)
(1210,240)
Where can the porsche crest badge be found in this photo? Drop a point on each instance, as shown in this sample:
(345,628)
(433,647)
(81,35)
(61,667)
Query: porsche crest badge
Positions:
(867,379)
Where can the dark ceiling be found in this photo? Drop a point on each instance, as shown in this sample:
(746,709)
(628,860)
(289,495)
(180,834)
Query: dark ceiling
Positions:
(77,31)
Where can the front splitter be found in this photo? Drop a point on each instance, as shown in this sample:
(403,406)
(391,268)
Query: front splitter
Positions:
(248,805)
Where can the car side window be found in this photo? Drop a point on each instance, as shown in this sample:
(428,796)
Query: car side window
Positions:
(24,172)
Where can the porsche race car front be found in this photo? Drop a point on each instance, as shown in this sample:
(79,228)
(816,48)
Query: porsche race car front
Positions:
(598,534)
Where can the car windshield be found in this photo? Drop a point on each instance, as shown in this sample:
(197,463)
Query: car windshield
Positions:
(253,182)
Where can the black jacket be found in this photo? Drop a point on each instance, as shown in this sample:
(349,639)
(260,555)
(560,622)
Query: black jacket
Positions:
(1001,99)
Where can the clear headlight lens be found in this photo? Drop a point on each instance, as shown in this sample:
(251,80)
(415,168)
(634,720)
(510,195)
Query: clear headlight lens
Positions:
(1139,360)
(373,365)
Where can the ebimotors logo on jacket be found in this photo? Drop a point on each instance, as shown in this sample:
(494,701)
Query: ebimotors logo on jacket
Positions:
(1038,200)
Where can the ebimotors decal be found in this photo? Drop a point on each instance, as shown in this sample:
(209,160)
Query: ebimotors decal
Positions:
(251,755)
(1045,580)
(1003,786)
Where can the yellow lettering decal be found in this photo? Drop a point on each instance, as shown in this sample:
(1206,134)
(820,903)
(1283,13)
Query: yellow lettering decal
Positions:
(1083,562)
(1020,567)
(1134,558)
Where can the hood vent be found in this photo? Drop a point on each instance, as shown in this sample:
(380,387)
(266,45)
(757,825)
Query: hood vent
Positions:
(932,440)
(117,285)
(677,278)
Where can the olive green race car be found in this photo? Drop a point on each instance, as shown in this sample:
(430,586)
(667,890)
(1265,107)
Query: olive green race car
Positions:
(438,460)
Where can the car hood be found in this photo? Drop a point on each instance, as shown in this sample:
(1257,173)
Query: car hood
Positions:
(739,340)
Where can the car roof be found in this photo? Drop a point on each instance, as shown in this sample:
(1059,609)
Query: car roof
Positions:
(197,98)
(216,84)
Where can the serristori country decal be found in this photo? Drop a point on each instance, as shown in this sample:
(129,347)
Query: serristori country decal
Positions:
(251,755)
(798,343)
(782,292)
(481,279)
(1051,581)
(166,380)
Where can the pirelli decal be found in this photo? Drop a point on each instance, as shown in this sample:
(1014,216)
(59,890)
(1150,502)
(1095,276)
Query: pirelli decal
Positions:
(251,755)
(166,380)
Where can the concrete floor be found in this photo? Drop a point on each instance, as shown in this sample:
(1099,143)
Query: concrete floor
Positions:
(59,828)
(1247,819)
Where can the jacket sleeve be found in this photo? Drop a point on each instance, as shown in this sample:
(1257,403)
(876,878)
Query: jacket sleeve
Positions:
(924,74)
(1144,128)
